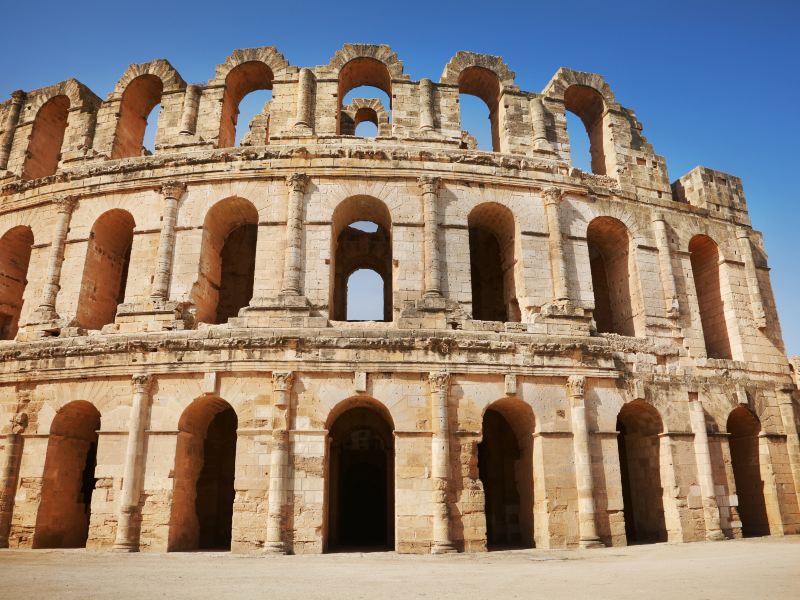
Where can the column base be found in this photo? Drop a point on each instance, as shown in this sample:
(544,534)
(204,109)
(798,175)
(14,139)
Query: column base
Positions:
(562,318)
(589,544)
(275,548)
(150,315)
(125,547)
(715,536)
(285,311)
(431,312)
(443,548)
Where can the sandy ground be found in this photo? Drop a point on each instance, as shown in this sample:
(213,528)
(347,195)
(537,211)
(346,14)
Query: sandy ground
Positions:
(751,569)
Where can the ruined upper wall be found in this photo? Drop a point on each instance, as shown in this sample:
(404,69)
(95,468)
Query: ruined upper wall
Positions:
(306,109)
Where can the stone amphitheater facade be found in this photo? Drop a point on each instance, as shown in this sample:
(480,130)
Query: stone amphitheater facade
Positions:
(566,358)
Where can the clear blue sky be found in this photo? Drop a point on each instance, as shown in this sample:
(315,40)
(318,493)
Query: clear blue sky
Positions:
(714,83)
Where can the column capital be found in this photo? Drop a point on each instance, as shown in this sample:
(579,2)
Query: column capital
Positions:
(439,381)
(552,195)
(142,383)
(173,189)
(658,216)
(576,385)
(66,204)
(297,182)
(17,96)
(19,423)
(429,184)
(282,381)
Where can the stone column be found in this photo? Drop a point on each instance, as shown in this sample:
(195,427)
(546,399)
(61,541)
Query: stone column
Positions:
(792,439)
(66,206)
(426,105)
(665,263)
(294,235)
(191,102)
(279,462)
(756,301)
(430,201)
(440,469)
(127,539)
(540,141)
(10,126)
(702,454)
(587,525)
(10,474)
(558,263)
(305,85)
(172,192)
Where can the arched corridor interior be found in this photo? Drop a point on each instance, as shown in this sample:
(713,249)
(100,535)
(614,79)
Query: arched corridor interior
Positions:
(639,426)
(15,256)
(205,461)
(361,481)
(705,261)
(744,428)
(238,257)
(505,468)
(68,483)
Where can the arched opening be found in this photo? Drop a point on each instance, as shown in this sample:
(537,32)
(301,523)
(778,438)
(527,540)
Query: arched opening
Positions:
(66,501)
(15,256)
(613,271)
(361,479)
(366,122)
(362,78)
(484,84)
(227,261)
(139,99)
(241,81)
(492,258)
(704,257)
(361,228)
(587,103)
(105,272)
(639,426)
(365,296)
(505,468)
(203,488)
(744,428)
(44,146)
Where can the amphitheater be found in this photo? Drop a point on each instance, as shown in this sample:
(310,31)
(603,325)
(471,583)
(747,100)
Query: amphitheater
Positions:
(566,359)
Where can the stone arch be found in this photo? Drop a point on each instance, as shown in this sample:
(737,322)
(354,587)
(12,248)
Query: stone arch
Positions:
(62,520)
(463,60)
(138,100)
(618,304)
(365,109)
(564,78)
(171,81)
(47,136)
(360,494)
(267,55)
(505,468)
(744,428)
(79,96)
(203,489)
(226,271)
(639,426)
(493,258)
(353,249)
(241,80)
(105,270)
(15,255)
(705,260)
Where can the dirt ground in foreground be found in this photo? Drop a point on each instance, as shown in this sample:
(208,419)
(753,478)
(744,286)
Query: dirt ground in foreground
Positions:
(751,569)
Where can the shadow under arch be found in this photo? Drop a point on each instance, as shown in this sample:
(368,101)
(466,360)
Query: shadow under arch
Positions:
(744,428)
(16,246)
(68,482)
(360,477)
(505,468)
(203,490)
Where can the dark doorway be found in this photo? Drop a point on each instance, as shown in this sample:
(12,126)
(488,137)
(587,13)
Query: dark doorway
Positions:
(744,428)
(238,257)
(361,491)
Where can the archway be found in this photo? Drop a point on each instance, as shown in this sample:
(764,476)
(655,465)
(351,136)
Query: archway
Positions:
(139,99)
(361,479)
(47,136)
(203,492)
(744,428)
(484,84)
(639,426)
(371,79)
(505,468)
(65,507)
(587,103)
(704,257)
(15,256)
(248,77)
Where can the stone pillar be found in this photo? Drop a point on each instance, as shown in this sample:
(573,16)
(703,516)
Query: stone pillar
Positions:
(756,301)
(305,85)
(440,469)
(587,525)
(127,539)
(10,474)
(426,105)
(702,454)
(66,206)
(430,201)
(279,462)
(665,263)
(10,126)
(172,192)
(293,258)
(540,141)
(191,102)
(792,439)
(558,263)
